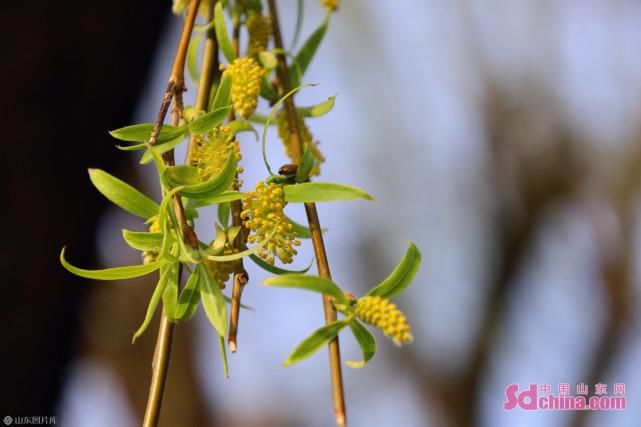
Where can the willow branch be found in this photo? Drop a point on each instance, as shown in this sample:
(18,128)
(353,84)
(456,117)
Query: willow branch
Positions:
(175,87)
(338,393)
(240,275)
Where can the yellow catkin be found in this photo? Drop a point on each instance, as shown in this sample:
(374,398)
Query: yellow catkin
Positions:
(330,5)
(381,313)
(263,215)
(260,30)
(221,271)
(211,151)
(245,87)
(150,256)
(307,138)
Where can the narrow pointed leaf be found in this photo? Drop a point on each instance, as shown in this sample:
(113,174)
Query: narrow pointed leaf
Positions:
(221,33)
(402,275)
(214,186)
(267,91)
(277,270)
(223,213)
(227,196)
(170,294)
(142,133)
(310,192)
(189,298)
(182,175)
(122,194)
(153,303)
(143,241)
(192,56)
(299,22)
(238,126)
(366,341)
(223,93)
(319,109)
(213,301)
(305,166)
(208,121)
(115,273)
(315,341)
(306,53)
(307,282)
(302,231)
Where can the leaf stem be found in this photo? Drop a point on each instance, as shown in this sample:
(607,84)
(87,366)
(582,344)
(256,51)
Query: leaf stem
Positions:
(175,87)
(338,393)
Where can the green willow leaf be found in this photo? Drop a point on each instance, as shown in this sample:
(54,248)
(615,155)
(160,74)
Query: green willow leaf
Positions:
(221,33)
(192,56)
(116,273)
(256,5)
(306,53)
(170,294)
(302,231)
(223,93)
(238,126)
(402,275)
(189,298)
(213,301)
(182,175)
(123,194)
(366,341)
(208,121)
(153,303)
(299,22)
(268,60)
(305,166)
(227,196)
(315,341)
(143,241)
(142,133)
(214,186)
(223,213)
(310,192)
(319,109)
(309,283)
(267,91)
(277,270)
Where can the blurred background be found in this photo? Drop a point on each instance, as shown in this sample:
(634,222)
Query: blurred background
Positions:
(502,136)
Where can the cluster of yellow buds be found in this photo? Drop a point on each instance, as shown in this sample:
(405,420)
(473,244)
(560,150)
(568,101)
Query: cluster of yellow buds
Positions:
(383,314)
(307,138)
(330,5)
(245,87)
(222,270)
(260,30)
(263,215)
(211,151)
(149,256)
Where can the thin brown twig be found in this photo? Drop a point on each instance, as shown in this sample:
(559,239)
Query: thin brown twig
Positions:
(175,87)
(338,393)
(240,275)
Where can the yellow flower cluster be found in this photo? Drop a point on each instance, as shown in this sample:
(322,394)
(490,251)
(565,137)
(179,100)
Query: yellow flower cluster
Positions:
(260,30)
(381,313)
(222,270)
(212,150)
(263,215)
(245,86)
(307,138)
(149,256)
(330,5)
